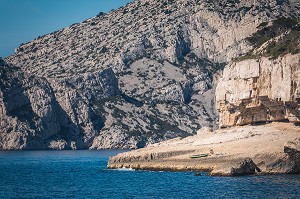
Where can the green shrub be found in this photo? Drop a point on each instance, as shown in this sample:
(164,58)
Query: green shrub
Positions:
(265,33)
(104,49)
(288,28)
(100,14)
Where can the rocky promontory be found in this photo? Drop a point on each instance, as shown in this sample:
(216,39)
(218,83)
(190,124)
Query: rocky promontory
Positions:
(265,149)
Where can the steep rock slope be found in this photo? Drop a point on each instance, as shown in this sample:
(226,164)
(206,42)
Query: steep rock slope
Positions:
(164,55)
(34,116)
(28,112)
(161,30)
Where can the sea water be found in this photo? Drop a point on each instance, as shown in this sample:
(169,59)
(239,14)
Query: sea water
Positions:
(83,174)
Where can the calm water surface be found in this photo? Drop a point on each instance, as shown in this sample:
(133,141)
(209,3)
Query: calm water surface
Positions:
(83,174)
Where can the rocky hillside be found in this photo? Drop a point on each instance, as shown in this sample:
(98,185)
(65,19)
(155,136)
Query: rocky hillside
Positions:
(135,76)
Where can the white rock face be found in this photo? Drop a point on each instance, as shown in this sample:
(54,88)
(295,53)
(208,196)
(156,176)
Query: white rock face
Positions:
(259,91)
(137,75)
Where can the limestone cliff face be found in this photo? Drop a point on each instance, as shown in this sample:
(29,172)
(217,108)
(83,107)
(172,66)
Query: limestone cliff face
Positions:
(137,75)
(260,90)
(28,110)
(35,116)
(75,96)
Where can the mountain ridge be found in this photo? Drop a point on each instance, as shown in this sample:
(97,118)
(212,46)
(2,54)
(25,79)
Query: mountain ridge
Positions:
(118,24)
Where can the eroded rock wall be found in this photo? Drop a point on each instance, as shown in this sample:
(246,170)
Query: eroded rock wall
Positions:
(28,113)
(260,90)
(36,114)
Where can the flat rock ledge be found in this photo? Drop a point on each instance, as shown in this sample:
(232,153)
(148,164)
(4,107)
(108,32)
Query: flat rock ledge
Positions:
(248,150)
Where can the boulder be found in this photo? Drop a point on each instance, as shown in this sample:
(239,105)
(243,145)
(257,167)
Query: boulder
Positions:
(245,167)
(58,144)
(290,163)
(292,149)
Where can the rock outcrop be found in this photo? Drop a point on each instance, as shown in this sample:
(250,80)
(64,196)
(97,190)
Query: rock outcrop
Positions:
(236,151)
(292,148)
(245,167)
(288,163)
(28,110)
(260,90)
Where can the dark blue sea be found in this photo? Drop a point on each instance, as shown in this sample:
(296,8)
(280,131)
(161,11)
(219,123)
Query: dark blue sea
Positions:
(83,174)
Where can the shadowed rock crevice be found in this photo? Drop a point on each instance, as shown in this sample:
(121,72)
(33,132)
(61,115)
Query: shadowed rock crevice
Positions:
(23,111)
(132,100)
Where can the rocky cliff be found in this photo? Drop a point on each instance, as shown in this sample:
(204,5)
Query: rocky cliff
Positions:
(135,76)
(28,113)
(265,85)
(260,90)
(34,115)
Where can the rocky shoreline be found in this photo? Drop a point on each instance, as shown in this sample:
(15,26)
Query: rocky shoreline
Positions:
(266,149)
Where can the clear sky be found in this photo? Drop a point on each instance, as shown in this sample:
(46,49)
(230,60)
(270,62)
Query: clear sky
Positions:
(24,20)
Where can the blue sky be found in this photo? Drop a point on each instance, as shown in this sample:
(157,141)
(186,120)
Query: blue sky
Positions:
(23,20)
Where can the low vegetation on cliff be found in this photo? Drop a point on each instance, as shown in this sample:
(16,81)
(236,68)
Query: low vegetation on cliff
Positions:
(274,39)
